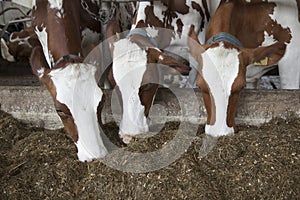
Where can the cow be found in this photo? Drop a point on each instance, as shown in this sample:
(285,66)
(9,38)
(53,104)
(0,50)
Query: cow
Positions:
(161,26)
(19,45)
(58,63)
(241,33)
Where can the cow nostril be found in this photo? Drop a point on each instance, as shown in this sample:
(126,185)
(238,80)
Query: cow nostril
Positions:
(59,111)
(125,138)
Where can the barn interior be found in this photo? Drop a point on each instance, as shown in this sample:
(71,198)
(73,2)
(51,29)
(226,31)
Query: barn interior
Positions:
(38,160)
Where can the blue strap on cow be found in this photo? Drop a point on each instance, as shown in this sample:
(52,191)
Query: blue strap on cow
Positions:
(224,37)
(142,32)
(65,58)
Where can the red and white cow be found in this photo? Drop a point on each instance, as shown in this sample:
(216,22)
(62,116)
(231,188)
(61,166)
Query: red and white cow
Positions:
(242,33)
(58,62)
(286,13)
(157,25)
(19,45)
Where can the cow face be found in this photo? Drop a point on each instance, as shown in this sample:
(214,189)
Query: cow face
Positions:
(221,78)
(21,43)
(76,98)
(135,72)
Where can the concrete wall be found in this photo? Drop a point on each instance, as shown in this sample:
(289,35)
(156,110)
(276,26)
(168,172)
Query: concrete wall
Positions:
(33,105)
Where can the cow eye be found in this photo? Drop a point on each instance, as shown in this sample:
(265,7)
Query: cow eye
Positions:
(60,112)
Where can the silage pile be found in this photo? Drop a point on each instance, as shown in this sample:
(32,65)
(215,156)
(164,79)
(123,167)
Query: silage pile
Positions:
(257,163)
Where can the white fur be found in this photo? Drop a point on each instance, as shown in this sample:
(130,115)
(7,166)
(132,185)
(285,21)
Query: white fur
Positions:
(220,68)
(76,87)
(43,38)
(41,72)
(56,4)
(141,12)
(5,52)
(89,38)
(179,41)
(129,66)
(21,40)
(286,14)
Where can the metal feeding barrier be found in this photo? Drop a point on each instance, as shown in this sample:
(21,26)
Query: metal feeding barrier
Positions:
(23,17)
(106,14)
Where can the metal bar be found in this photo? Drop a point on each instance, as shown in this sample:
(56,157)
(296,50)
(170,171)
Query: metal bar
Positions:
(124,1)
(19,20)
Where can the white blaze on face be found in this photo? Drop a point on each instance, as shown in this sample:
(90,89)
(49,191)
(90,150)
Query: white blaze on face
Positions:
(220,68)
(43,38)
(129,66)
(56,4)
(76,87)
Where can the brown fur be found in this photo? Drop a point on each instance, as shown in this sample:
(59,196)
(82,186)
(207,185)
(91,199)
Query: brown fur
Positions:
(22,51)
(253,20)
(64,38)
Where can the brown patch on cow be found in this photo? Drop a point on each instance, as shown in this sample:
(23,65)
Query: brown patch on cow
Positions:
(279,33)
(197,7)
(67,120)
(66,61)
(141,41)
(27,32)
(21,43)
(176,6)
(164,35)
(298,5)
(124,15)
(231,110)
(255,20)
(196,50)
(38,62)
(151,19)
(179,25)
(238,84)
(176,66)
(61,109)
(208,99)
(148,90)
(169,16)
(207,13)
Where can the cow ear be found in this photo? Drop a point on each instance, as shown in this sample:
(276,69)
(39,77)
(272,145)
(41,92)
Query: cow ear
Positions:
(154,55)
(196,48)
(269,55)
(112,34)
(38,62)
(5,52)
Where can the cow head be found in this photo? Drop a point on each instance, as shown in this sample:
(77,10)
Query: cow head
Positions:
(77,100)
(135,71)
(19,45)
(221,77)
(57,62)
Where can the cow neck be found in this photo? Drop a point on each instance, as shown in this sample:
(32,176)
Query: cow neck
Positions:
(142,32)
(67,58)
(224,37)
(222,21)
